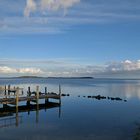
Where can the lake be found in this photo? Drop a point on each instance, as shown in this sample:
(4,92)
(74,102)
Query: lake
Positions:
(82,115)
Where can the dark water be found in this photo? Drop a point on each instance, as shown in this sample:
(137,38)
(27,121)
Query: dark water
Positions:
(79,117)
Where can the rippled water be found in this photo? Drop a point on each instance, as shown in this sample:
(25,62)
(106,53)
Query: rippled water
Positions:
(79,117)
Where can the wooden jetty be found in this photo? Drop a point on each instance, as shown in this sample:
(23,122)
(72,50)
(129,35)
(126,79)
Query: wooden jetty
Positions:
(12,96)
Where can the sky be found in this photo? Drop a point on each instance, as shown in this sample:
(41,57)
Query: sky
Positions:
(64,38)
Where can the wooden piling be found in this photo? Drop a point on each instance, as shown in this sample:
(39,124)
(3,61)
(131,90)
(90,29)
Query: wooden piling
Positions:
(17,100)
(8,89)
(17,96)
(29,91)
(37,104)
(45,90)
(60,94)
(37,93)
(5,90)
(46,98)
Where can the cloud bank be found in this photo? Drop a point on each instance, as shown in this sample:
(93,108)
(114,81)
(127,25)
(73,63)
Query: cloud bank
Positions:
(65,68)
(9,70)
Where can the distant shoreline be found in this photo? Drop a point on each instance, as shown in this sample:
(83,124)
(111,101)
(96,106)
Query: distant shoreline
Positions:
(36,77)
(47,77)
(56,77)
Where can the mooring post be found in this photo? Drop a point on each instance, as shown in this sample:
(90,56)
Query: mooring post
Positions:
(17,96)
(8,89)
(45,90)
(15,90)
(22,92)
(29,91)
(37,93)
(60,94)
(17,100)
(37,102)
(5,90)
(46,98)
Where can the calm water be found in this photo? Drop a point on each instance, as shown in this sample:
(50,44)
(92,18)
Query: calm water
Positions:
(79,117)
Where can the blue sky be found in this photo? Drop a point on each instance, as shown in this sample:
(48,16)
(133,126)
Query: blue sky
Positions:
(70,38)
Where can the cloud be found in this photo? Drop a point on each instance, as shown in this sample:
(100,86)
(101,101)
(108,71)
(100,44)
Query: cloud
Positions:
(126,65)
(49,5)
(68,68)
(47,16)
(5,69)
(9,70)
(30,70)
(30,7)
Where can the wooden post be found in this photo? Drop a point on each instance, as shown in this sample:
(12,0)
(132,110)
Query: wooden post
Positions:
(59,89)
(37,102)
(17,99)
(37,93)
(45,90)
(15,91)
(17,96)
(22,92)
(59,94)
(29,91)
(8,89)
(46,99)
(5,90)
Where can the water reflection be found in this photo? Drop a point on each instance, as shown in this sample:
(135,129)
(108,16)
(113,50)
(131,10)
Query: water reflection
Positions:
(9,115)
(100,113)
(126,89)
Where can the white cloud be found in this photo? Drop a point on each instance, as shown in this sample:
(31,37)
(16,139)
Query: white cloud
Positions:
(5,69)
(46,16)
(30,7)
(123,69)
(126,65)
(55,5)
(49,5)
(9,70)
(30,70)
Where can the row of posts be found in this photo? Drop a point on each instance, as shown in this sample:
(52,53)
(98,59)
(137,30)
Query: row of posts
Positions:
(16,93)
(29,92)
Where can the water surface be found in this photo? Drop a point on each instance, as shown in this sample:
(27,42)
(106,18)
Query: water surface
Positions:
(78,117)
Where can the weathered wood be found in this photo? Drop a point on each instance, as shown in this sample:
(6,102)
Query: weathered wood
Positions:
(17,96)
(45,90)
(60,94)
(8,89)
(5,90)
(34,96)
